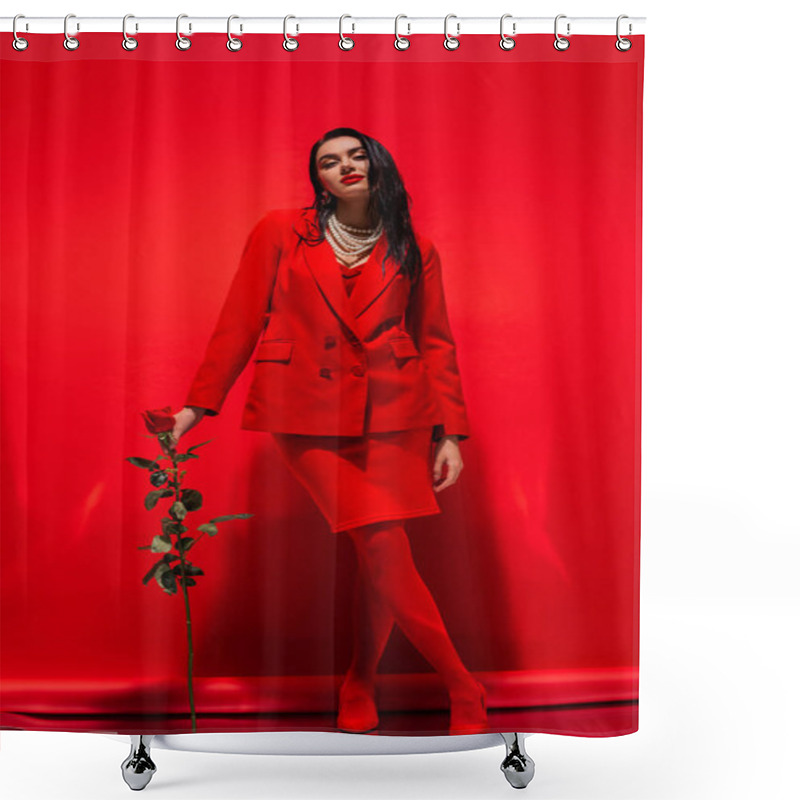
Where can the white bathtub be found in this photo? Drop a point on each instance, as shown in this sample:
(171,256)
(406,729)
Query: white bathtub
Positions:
(138,768)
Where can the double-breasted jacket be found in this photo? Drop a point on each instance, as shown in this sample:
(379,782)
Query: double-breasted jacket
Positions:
(383,359)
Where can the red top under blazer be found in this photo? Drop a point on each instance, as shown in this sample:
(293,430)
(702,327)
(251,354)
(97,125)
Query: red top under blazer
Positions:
(318,352)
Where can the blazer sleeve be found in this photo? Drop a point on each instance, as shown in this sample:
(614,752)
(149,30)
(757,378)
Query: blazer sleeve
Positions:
(244,314)
(430,328)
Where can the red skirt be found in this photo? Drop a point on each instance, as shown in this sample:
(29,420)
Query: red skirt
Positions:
(356,480)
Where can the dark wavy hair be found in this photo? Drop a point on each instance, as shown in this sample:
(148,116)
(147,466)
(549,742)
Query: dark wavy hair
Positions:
(388,199)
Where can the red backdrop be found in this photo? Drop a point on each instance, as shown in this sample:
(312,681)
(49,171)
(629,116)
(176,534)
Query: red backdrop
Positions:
(129,183)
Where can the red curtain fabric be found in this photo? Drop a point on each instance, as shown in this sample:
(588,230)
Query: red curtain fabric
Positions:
(131,184)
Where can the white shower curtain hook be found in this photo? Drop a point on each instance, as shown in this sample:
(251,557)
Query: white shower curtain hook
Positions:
(234,44)
(289,42)
(18,42)
(560,42)
(451,42)
(506,42)
(182,42)
(400,42)
(345,42)
(70,42)
(623,44)
(129,42)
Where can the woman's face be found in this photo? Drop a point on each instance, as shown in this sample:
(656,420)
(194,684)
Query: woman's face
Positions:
(342,166)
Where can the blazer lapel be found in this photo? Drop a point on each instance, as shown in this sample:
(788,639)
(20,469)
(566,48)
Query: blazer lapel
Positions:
(326,270)
(371,283)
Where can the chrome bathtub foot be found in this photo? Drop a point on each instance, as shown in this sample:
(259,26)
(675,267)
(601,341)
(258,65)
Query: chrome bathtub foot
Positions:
(517,766)
(138,768)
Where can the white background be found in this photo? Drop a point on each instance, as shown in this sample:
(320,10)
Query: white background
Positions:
(719,604)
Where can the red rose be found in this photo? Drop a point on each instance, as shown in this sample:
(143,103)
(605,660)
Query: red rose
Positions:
(159,420)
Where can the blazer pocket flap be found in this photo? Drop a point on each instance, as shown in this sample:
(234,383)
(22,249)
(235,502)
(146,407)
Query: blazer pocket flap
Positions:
(274,350)
(403,348)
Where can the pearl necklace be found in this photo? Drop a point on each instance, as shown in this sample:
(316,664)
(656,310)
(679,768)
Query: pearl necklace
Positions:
(346,245)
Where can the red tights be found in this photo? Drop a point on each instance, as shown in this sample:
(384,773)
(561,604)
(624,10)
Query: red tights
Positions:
(391,590)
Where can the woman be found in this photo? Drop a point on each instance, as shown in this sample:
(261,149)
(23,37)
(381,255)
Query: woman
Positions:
(355,375)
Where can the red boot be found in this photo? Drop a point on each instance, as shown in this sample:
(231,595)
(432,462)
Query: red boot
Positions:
(357,710)
(468,712)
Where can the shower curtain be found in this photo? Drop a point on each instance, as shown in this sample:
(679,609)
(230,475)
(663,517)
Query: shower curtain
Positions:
(321,385)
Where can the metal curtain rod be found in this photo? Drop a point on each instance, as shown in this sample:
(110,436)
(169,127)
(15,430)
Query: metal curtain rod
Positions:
(567,26)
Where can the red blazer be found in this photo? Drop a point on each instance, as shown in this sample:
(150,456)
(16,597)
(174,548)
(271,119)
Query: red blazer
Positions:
(382,360)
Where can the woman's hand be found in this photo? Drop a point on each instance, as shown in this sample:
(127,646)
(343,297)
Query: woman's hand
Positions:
(185,420)
(447,452)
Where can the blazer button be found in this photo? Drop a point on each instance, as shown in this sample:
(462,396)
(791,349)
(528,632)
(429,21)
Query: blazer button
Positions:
(325,372)
(357,370)
(330,341)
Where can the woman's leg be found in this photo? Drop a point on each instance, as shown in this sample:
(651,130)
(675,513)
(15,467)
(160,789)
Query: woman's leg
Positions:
(372,625)
(387,565)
